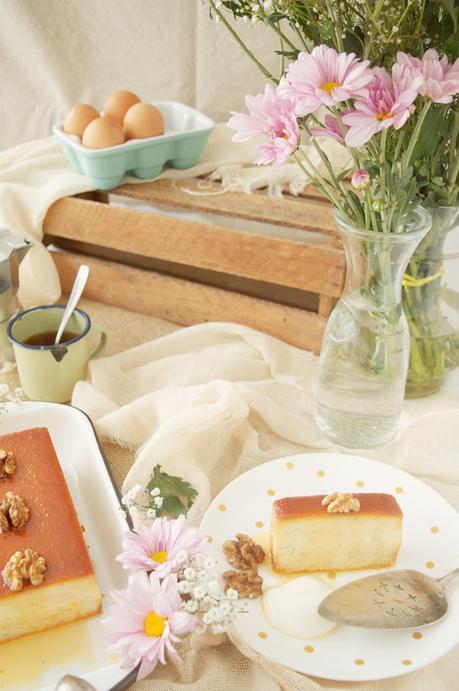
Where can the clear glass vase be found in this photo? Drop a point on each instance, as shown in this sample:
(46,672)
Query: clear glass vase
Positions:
(431,304)
(365,349)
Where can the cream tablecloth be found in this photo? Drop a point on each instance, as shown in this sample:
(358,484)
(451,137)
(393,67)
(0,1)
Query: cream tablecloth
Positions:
(211,401)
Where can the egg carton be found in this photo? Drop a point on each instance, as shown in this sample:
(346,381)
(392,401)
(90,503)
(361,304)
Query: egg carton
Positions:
(181,145)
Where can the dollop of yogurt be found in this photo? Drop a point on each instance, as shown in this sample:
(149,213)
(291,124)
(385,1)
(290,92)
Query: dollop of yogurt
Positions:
(291,607)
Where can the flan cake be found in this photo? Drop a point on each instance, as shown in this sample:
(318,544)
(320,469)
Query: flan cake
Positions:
(66,587)
(307,536)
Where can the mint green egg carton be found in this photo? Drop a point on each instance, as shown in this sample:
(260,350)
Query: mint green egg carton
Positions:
(181,145)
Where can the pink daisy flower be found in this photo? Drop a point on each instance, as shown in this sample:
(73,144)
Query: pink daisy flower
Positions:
(389,104)
(144,623)
(440,80)
(331,128)
(324,77)
(161,547)
(273,116)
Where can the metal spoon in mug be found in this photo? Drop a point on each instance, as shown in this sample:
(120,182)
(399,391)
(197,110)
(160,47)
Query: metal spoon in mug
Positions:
(389,600)
(77,289)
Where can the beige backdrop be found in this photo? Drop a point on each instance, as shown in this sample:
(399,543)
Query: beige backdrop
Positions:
(54,53)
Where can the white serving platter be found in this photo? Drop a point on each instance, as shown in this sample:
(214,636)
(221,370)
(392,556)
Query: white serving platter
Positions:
(37,662)
(430,544)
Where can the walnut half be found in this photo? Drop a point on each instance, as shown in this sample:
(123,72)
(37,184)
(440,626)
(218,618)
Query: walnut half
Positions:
(7,464)
(14,512)
(24,566)
(247,582)
(337,502)
(243,553)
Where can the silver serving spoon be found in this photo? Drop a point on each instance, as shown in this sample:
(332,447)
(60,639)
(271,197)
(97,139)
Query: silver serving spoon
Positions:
(73,683)
(389,600)
(77,289)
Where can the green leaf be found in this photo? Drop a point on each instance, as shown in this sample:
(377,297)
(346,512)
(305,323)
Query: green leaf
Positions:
(178,495)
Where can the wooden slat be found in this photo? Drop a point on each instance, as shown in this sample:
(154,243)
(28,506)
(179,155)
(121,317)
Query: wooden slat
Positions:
(304,213)
(311,267)
(185,302)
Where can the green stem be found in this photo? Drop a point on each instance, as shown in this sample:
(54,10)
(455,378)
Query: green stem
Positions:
(233,33)
(324,186)
(282,36)
(406,160)
(337,23)
(338,184)
(374,25)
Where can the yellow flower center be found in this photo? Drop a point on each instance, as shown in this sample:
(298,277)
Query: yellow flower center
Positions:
(154,625)
(383,116)
(159,557)
(329,86)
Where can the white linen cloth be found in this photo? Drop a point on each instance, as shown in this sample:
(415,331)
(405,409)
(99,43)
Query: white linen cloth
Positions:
(35,174)
(211,401)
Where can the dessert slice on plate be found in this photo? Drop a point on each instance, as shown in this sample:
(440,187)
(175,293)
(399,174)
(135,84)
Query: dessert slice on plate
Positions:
(47,574)
(339,532)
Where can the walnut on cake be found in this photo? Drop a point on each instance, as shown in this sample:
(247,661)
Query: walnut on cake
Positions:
(339,532)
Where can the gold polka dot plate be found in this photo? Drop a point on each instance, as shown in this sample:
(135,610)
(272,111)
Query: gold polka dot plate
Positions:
(341,653)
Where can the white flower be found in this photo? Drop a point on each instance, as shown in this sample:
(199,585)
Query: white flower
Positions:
(207,618)
(158,501)
(217,615)
(185,587)
(207,602)
(198,560)
(151,513)
(232,594)
(199,592)
(201,576)
(155,492)
(218,628)
(182,556)
(191,606)
(225,607)
(210,563)
(190,574)
(137,489)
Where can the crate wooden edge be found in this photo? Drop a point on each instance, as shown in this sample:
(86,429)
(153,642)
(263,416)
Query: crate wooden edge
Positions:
(185,302)
(306,266)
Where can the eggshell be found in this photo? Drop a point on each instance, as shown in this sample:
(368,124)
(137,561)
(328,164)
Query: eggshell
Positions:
(143,120)
(79,118)
(102,133)
(119,103)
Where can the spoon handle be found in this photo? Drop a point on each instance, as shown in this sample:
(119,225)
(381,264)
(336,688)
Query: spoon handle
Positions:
(446,580)
(78,287)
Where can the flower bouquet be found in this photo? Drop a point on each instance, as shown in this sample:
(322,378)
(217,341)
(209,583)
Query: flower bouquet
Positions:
(173,588)
(396,114)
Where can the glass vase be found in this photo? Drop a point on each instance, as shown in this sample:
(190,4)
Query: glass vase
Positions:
(431,304)
(365,349)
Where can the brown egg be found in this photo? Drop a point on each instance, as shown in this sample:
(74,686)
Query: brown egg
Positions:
(118,104)
(79,118)
(143,120)
(103,132)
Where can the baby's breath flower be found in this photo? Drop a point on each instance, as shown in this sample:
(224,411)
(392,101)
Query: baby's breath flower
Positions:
(199,591)
(182,556)
(232,594)
(155,492)
(189,573)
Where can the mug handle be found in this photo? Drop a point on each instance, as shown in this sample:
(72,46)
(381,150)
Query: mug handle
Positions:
(102,343)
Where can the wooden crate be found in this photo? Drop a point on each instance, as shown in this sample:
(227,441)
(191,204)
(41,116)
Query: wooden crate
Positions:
(283,282)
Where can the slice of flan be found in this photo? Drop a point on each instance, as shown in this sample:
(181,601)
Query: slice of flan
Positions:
(305,536)
(69,589)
